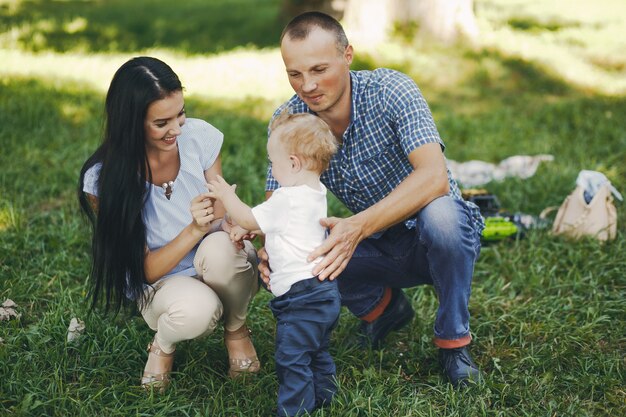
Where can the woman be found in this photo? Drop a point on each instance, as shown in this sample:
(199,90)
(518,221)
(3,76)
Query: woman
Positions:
(158,240)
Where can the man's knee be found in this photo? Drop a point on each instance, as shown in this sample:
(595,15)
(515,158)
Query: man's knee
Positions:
(444,223)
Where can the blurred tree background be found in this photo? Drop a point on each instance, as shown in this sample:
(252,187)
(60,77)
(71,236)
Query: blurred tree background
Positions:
(373,20)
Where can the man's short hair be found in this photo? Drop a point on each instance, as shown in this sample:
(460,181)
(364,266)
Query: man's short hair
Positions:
(301,25)
(306,136)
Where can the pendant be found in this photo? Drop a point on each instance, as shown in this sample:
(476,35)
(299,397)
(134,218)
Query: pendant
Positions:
(168,187)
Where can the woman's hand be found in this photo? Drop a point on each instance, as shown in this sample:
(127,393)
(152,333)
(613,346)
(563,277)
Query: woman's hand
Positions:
(202,213)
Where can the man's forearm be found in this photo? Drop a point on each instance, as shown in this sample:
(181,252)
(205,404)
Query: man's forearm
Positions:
(410,196)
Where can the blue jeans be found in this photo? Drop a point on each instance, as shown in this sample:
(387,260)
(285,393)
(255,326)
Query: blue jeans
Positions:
(440,251)
(305,318)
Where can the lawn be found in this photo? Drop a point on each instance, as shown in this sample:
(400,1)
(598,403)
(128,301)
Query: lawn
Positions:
(548,314)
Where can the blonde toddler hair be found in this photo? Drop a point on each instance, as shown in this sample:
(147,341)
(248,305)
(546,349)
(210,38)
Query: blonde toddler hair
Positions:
(306,136)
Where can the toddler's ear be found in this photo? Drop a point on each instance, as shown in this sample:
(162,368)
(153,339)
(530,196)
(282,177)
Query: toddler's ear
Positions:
(296,164)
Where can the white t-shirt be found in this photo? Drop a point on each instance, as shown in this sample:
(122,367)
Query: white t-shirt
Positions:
(199,146)
(290,220)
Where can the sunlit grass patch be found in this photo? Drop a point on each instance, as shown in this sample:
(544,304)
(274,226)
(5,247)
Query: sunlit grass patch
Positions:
(237,74)
(533,25)
(8,217)
(571,39)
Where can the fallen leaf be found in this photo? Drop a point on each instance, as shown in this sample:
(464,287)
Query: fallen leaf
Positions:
(7,311)
(75,329)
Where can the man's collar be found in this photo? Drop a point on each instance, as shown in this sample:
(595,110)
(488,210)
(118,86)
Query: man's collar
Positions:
(354,87)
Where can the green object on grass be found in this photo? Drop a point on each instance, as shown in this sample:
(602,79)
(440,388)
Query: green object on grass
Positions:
(498,228)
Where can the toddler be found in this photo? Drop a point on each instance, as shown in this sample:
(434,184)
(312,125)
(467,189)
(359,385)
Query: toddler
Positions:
(306,309)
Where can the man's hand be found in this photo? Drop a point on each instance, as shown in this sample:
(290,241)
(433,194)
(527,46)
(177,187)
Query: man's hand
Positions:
(264,266)
(337,249)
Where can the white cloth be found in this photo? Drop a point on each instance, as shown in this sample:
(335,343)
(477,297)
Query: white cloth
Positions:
(474,173)
(199,146)
(592,181)
(290,220)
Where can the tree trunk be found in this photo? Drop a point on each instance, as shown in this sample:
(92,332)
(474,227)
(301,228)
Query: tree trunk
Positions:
(371,21)
(447,20)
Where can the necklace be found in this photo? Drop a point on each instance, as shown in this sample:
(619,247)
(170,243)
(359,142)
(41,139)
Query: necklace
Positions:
(168,187)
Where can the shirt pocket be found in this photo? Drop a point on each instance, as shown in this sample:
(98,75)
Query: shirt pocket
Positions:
(380,173)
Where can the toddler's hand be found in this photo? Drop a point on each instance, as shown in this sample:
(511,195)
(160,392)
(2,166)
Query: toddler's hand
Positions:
(238,233)
(219,188)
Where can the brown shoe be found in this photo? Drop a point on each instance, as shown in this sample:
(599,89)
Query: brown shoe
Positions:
(245,365)
(152,381)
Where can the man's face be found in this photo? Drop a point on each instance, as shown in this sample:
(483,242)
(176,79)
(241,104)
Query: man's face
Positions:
(318,72)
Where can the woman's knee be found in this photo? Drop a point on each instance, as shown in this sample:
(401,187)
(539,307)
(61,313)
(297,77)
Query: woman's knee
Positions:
(217,258)
(215,253)
(184,308)
(196,315)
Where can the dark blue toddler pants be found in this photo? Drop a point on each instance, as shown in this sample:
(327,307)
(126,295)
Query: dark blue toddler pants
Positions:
(305,318)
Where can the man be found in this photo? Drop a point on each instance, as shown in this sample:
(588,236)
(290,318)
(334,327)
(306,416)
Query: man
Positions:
(411,225)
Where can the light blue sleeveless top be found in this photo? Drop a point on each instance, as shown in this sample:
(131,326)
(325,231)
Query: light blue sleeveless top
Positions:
(199,145)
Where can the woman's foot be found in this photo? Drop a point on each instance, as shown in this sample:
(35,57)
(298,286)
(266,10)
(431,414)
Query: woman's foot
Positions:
(156,374)
(242,356)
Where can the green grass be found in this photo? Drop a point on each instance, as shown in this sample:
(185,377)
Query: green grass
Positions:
(193,27)
(547,314)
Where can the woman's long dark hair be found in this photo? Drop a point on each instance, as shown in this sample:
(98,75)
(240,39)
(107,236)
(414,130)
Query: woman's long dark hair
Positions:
(119,234)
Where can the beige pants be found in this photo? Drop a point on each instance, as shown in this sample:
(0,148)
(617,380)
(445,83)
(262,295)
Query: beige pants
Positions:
(184,308)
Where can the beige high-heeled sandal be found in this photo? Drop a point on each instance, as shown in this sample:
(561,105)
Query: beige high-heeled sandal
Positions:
(241,366)
(154,381)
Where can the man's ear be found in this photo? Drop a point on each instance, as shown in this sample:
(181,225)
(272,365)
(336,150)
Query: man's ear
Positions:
(296,164)
(348,54)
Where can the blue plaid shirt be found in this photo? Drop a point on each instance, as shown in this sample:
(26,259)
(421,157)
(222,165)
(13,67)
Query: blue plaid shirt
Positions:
(390,119)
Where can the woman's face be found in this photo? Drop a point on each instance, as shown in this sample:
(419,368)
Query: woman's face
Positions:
(163,121)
